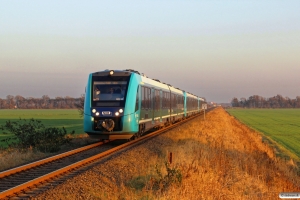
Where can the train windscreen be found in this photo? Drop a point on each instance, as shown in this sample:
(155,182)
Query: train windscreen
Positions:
(109,90)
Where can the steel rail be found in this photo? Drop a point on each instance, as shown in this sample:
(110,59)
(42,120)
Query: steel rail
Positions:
(78,164)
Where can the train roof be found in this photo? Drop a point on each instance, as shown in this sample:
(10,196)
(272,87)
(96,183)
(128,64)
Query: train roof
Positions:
(154,82)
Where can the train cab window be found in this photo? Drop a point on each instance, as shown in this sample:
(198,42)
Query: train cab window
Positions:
(109,90)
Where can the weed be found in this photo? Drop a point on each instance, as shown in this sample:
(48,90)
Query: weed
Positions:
(162,182)
(32,133)
(138,183)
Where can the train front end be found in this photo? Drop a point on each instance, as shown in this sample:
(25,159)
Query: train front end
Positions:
(109,108)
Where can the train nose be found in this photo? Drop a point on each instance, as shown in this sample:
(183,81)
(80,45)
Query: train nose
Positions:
(107,124)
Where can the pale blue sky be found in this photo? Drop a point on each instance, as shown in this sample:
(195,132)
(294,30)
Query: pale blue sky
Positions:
(214,49)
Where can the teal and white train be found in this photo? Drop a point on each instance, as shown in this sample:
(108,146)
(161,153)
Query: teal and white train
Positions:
(123,104)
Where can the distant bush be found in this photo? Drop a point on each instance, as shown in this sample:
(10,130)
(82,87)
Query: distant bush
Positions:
(33,134)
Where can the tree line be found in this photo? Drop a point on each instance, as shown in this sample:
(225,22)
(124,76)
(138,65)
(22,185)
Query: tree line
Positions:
(45,102)
(257,101)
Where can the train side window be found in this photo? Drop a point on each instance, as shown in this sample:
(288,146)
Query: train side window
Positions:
(165,102)
(149,99)
(173,101)
(137,99)
(157,100)
(169,100)
(154,98)
(146,97)
(143,97)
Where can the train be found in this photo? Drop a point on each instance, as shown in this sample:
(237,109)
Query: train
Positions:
(124,104)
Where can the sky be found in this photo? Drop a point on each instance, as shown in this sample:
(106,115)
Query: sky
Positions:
(213,49)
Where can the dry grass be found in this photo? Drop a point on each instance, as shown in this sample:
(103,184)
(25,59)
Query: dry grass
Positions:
(218,158)
(221,158)
(11,157)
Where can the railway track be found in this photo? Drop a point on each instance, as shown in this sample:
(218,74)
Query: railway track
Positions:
(28,180)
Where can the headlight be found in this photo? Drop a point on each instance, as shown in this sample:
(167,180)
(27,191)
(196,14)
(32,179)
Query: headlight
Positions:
(121,110)
(117,113)
(94,110)
(111,72)
(97,113)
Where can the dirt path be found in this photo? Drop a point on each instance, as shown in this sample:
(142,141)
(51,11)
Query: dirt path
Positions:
(218,158)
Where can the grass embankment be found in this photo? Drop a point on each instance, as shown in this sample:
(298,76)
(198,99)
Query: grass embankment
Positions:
(281,128)
(218,158)
(68,118)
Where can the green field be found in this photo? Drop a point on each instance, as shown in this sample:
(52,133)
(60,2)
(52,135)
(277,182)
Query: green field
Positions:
(68,118)
(279,125)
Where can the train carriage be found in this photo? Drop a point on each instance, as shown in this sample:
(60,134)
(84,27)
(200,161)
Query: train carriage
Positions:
(120,104)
